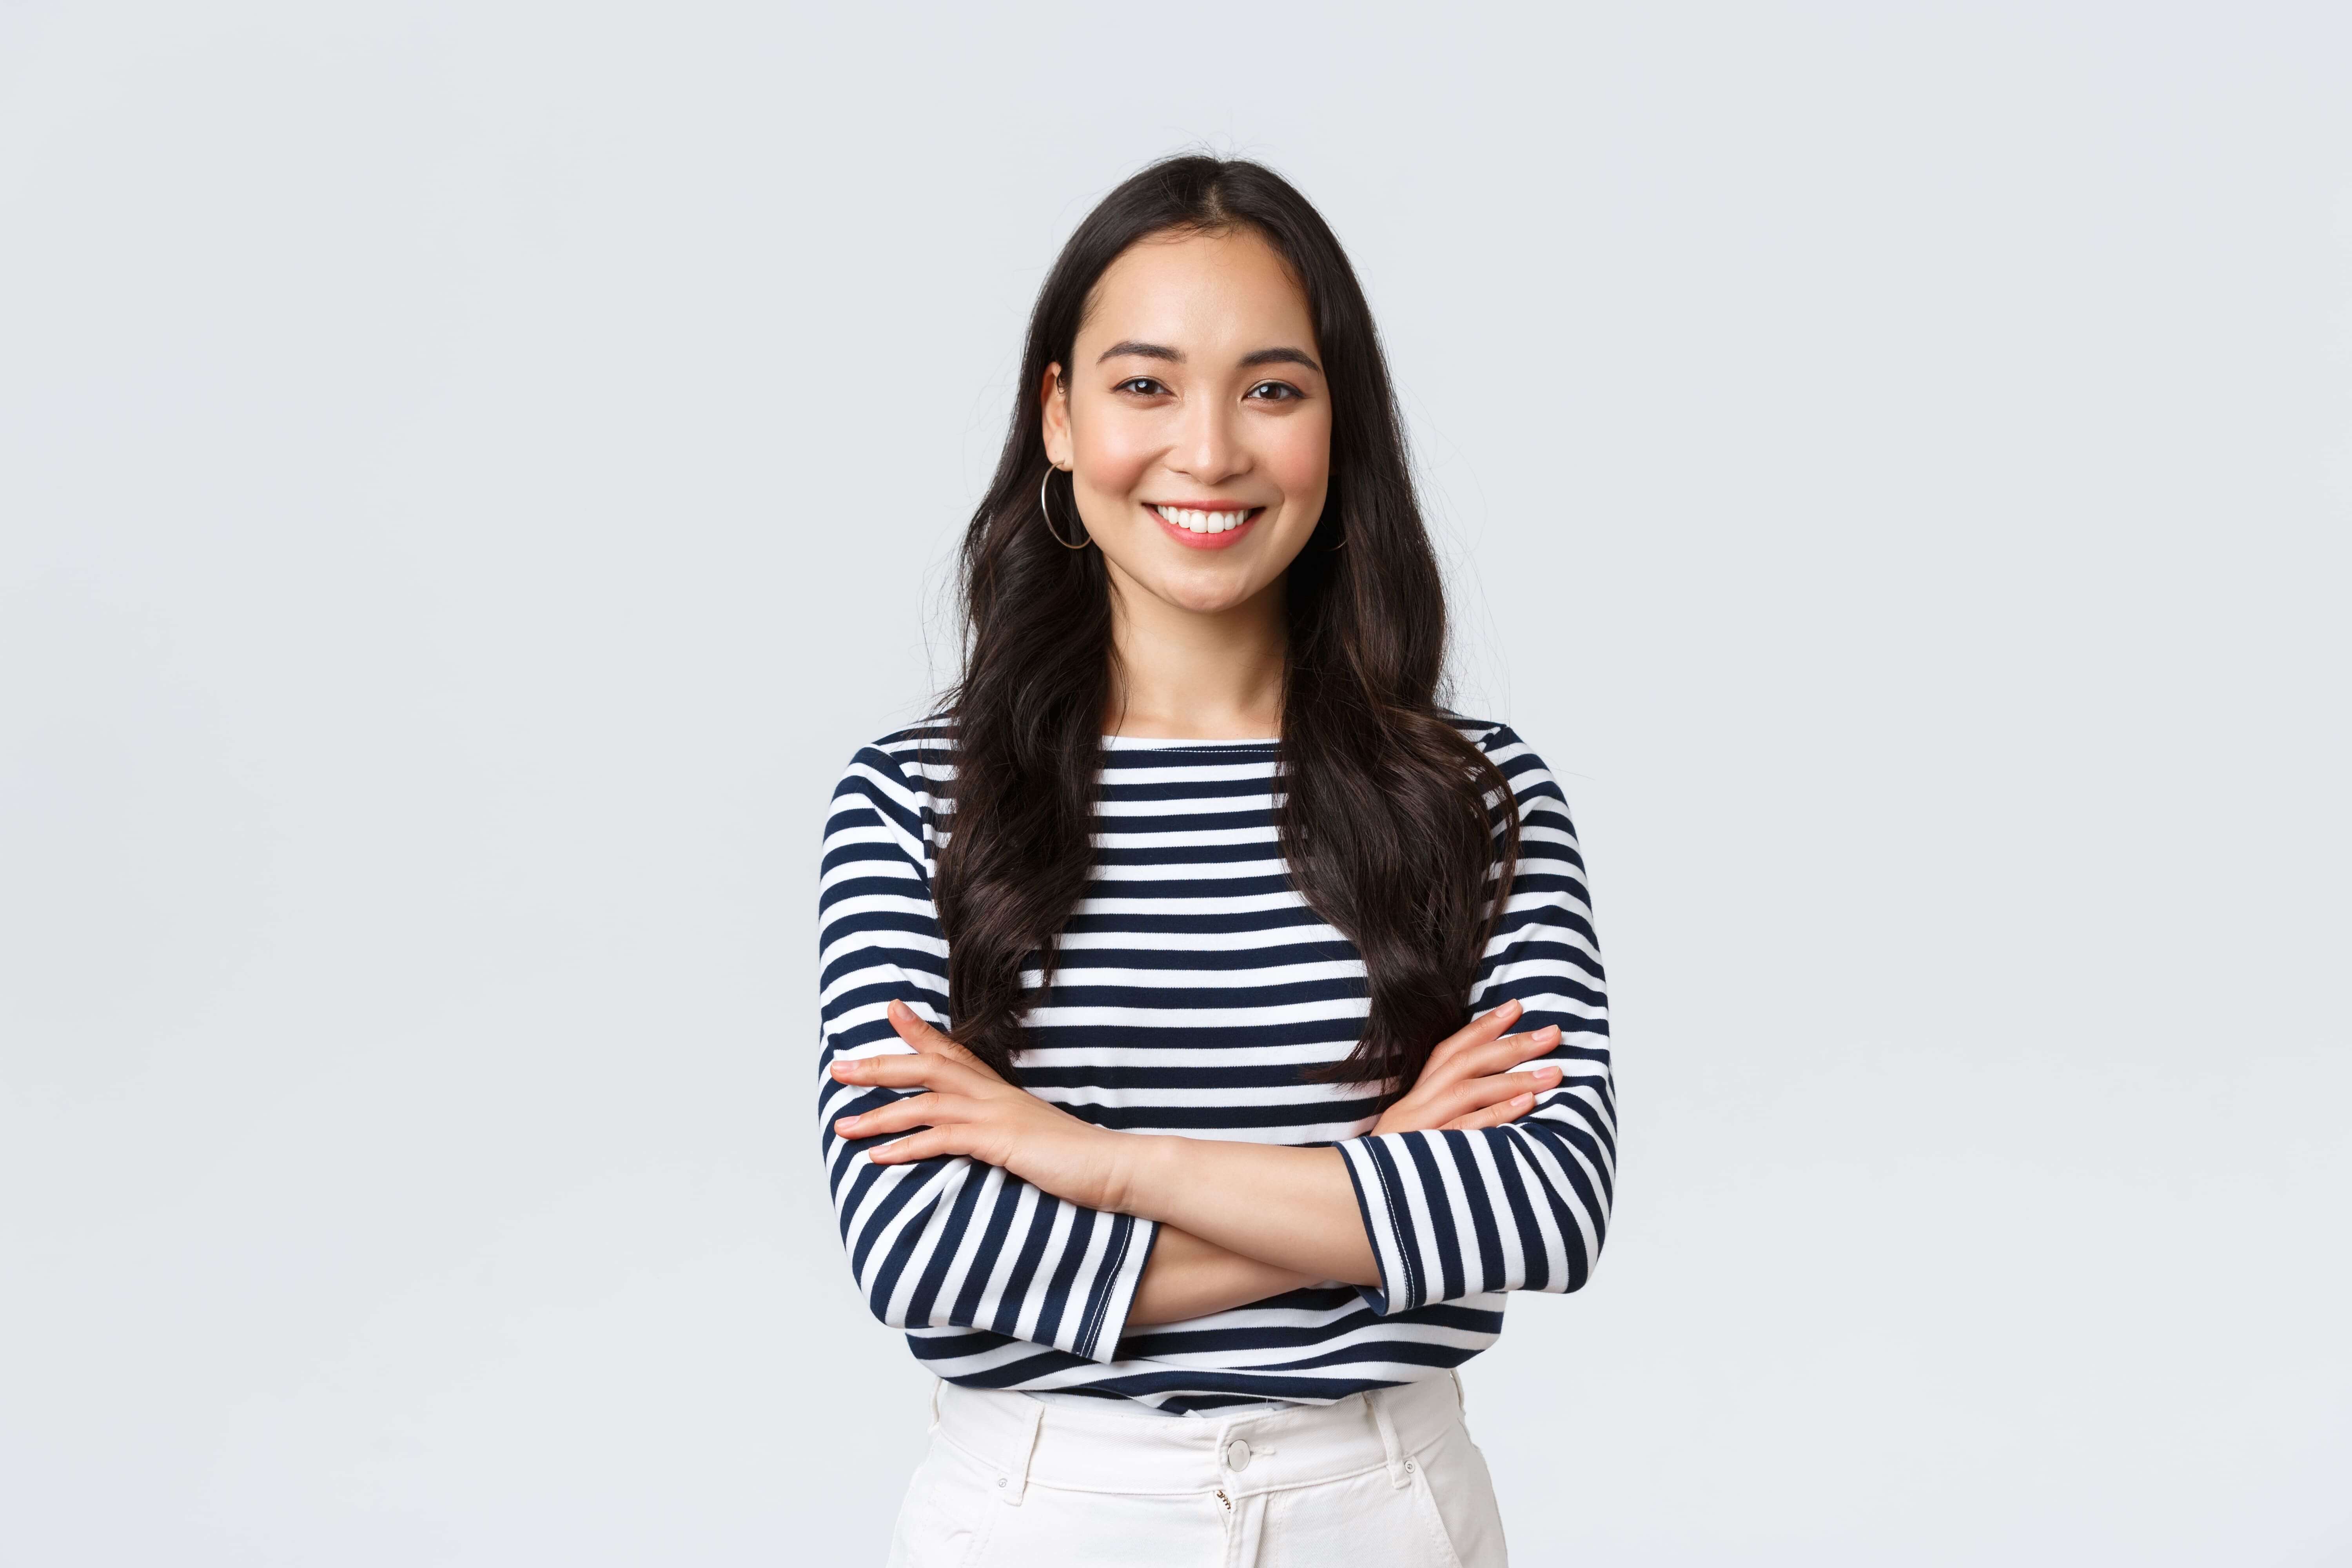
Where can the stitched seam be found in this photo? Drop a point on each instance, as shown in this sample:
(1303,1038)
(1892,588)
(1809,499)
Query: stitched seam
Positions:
(1396,1228)
(1099,1308)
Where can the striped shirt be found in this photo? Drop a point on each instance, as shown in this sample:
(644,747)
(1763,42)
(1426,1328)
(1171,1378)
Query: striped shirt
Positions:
(1195,989)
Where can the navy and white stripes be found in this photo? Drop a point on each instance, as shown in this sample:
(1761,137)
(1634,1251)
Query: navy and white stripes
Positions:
(1195,989)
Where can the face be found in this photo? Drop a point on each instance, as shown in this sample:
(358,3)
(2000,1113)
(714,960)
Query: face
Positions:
(1194,420)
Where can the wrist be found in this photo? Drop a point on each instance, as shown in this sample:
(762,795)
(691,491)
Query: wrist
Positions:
(1136,1159)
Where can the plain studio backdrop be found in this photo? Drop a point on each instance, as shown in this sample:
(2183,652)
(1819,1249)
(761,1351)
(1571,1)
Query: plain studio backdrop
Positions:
(470,475)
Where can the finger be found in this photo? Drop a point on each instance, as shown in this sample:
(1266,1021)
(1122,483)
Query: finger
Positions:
(1477,1032)
(1508,1111)
(915,1030)
(930,1040)
(900,1070)
(924,1146)
(1510,1051)
(1478,1093)
(901,1115)
(1498,1115)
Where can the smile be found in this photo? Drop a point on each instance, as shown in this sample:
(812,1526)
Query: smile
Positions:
(1206,528)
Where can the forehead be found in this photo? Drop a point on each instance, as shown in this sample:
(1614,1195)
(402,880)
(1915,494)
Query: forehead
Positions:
(1200,293)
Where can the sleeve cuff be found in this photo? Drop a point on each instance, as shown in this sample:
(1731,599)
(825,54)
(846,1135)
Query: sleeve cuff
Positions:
(1113,1297)
(1383,1198)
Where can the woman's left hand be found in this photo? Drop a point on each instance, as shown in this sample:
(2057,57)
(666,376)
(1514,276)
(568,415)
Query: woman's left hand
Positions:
(971,1110)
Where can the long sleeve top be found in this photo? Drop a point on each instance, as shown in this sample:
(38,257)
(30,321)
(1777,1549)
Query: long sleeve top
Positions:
(1194,991)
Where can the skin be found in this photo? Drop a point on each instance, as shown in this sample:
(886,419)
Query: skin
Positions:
(1243,1213)
(1197,634)
(1195,379)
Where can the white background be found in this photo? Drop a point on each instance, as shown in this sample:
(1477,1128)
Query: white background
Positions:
(470,474)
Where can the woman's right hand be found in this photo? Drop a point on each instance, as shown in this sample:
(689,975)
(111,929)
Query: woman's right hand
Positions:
(1468,1082)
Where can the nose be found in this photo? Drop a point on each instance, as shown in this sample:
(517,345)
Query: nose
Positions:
(1209,450)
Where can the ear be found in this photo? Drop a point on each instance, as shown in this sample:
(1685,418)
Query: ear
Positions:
(1054,396)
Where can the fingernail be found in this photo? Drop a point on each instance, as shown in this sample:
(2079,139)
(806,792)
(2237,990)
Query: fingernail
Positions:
(1511,1007)
(1547,1074)
(1523,1099)
(1548,1032)
(845,1124)
(898,1009)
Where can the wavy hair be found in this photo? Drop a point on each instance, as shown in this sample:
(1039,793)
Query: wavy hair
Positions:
(1395,830)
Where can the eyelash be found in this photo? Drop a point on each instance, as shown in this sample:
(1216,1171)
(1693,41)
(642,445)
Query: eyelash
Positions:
(1147,385)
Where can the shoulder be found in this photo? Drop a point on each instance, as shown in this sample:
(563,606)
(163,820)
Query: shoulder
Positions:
(1530,780)
(910,759)
(898,777)
(1489,735)
(1501,744)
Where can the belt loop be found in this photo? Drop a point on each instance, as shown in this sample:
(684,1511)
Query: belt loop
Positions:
(1015,1481)
(1400,1467)
(937,1383)
(1461,1401)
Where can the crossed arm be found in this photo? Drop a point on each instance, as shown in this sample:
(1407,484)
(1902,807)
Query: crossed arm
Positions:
(1240,1222)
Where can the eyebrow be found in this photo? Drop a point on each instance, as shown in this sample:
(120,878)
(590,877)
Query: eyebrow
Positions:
(1142,350)
(1249,361)
(1280,356)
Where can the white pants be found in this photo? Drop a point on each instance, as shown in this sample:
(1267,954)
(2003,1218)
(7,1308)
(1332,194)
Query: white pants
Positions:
(1387,1479)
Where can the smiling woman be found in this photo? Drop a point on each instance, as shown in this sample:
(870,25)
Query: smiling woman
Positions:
(1171,418)
(1213,1025)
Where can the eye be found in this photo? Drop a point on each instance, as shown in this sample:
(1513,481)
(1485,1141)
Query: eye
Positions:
(1141,386)
(1274,392)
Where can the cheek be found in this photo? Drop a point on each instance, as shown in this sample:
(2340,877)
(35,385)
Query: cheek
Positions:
(1297,458)
(1112,454)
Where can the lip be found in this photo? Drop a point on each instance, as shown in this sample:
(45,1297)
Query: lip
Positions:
(1191,541)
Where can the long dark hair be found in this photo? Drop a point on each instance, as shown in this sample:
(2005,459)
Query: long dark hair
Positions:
(1390,822)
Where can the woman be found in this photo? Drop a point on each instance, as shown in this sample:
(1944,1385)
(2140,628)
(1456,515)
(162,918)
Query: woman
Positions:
(1149,1105)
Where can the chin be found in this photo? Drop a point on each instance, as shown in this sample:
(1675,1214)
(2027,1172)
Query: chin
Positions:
(1205,593)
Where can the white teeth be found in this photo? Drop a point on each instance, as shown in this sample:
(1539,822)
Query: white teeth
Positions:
(1203,521)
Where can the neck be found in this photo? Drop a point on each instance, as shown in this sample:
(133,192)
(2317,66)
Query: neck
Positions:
(1206,675)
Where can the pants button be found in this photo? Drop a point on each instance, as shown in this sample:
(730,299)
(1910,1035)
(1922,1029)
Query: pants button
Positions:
(1237,1455)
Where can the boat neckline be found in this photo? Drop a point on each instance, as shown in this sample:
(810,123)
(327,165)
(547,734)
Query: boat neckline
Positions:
(1150,743)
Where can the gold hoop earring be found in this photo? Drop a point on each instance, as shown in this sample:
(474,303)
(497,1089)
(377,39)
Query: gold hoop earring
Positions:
(1046,512)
